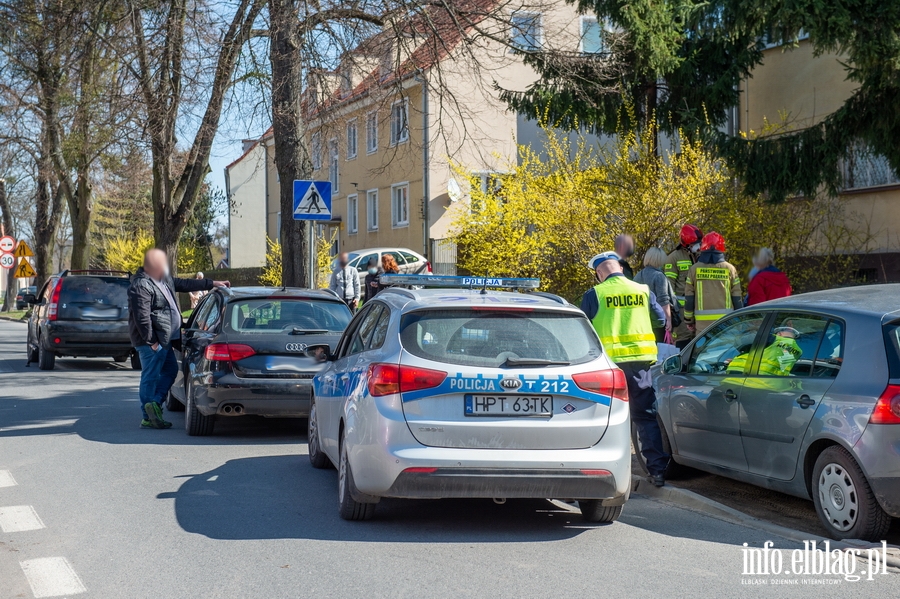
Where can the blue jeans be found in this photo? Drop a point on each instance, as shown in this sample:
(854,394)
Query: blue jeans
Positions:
(158,371)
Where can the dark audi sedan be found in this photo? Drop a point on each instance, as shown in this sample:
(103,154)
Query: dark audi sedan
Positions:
(800,395)
(254,351)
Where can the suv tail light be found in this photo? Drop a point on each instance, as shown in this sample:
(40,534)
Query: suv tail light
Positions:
(228,352)
(386,379)
(53,306)
(887,409)
(605,382)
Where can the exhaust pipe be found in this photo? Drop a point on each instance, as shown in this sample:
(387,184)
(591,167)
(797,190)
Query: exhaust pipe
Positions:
(227,409)
(499,500)
(239,409)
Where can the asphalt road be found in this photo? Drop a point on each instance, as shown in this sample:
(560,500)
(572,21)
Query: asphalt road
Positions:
(93,506)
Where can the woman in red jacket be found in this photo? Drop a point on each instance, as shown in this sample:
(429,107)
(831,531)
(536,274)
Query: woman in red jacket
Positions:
(769,283)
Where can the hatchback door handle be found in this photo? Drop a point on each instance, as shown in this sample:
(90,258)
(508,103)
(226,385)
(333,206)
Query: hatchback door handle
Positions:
(804,401)
(730,396)
(344,377)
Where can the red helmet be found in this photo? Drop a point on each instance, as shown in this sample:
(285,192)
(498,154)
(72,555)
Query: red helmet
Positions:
(712,240)
(690,235)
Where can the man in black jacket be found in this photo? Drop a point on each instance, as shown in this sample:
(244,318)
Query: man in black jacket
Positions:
(154,323)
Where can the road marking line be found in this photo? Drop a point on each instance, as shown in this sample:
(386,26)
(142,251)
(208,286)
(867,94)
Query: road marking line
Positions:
(6,479)
(48,424)
(19,518)
(52,577)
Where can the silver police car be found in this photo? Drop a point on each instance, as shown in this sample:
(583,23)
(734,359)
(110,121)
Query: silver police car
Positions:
(471,392)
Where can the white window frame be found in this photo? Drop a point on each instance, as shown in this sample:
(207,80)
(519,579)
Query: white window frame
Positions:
(396,221)
(581,23)
(352,148)
(400,136)
(334,165)
(372,132)
(353,214)
(516,32)
(315,151)
(372,209)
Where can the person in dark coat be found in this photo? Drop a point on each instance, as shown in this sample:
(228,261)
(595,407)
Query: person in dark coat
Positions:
(768,283)
(373,272)
(624,247)
(154,324)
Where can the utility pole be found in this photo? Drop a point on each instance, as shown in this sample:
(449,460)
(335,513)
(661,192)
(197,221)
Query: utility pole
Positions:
(6,228)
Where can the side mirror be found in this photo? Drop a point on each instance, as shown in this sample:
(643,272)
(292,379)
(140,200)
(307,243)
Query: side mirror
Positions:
(672,364)
(320,353)
(29,299)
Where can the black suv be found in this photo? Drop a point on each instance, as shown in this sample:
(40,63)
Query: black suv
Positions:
(80,313)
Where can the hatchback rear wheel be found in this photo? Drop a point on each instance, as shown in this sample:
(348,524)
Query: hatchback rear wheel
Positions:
(593,510)
(844,500)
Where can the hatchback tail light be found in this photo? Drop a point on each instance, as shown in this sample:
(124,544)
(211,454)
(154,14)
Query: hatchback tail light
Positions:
(386,379)
(887,409)
(53,306)
(428,267)
(228,352)
(605,382)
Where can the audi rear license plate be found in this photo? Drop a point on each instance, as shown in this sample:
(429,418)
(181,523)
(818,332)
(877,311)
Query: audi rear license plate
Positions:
(509,405)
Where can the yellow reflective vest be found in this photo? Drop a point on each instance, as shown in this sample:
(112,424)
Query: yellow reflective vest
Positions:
(623,320)
(712,286)
(678,263)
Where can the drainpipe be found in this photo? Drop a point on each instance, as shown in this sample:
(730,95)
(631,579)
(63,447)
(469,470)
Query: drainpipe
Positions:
(228,204)
(426,216)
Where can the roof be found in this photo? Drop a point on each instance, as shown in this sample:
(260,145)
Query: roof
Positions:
(464,298)
(297,292)
(875,300)
(246,152)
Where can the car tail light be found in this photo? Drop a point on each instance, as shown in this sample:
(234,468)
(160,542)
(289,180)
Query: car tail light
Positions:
(428,267)
(887,409)
(420,470)
(596,472)
(52,308)
(228,352)
(605,382)
(385,379)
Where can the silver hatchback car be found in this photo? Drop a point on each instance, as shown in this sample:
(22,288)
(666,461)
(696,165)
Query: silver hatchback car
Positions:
(800,395)
(435,393)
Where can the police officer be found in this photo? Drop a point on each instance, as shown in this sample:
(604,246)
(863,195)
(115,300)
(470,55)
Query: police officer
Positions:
(677,265)
(712,287)
(620,311)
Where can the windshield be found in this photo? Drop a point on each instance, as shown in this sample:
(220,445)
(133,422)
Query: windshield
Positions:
(284,315)
(493,338)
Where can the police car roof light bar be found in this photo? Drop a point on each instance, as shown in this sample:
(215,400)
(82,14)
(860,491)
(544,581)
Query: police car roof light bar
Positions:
(457,282)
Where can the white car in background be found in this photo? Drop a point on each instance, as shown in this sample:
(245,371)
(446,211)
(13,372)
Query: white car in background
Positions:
(410,262)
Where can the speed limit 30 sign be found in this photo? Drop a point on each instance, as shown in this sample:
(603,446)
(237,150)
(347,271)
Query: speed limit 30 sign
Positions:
(7,260)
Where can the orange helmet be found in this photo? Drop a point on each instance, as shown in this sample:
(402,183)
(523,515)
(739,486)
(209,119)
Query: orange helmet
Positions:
(690,235)
(712,240)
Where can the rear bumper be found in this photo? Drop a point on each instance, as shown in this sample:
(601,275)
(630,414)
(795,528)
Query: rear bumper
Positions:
(284,398)
(878,452)
(887,493)
(505,483)
(77,338)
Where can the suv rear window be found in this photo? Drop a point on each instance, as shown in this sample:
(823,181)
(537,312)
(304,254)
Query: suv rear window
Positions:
(93,298)
(488,338)
(284,314)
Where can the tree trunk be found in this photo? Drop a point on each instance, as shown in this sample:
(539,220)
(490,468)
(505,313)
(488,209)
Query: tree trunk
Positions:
(48,208)
(291,155)
(80,215)
(8,229)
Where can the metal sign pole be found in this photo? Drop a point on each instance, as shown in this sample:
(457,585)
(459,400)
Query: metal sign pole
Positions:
(311,263)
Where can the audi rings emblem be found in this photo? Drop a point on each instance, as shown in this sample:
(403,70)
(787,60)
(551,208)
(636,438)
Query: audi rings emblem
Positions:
(296,347)
(511,384)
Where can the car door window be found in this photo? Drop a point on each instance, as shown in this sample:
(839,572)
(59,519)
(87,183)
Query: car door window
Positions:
(791,344)
(381,328)
(365,330)
(726,347)
(398,257)
(410,258)
(363,264)
(200,315)
(212,317)
(349,335)
(830,355)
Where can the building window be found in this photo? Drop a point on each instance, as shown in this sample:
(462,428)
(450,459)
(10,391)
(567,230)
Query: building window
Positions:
(400,205)
(399,122)
(372,132)
(315,151)
(352,139)
(591,36)
(526,30)
(333,160)
(372,209)
(863,168)
(490,183)
(352,213)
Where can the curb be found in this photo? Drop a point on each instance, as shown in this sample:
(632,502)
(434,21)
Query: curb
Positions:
(698,503)
(9,319)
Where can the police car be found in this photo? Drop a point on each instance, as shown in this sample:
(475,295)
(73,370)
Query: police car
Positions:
(466,387)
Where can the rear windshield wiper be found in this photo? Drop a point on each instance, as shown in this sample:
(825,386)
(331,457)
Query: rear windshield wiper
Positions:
(534,362)
(299,331)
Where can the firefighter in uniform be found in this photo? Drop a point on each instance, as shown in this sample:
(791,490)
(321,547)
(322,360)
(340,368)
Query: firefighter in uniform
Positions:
(620,311)
(677,265)
(712,287)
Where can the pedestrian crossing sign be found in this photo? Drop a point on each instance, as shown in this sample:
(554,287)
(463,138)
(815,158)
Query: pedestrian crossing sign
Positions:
(312,200)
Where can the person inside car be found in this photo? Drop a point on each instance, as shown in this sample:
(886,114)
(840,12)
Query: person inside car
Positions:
(154,323)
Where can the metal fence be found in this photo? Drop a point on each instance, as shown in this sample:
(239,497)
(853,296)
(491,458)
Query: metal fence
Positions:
(443,257)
